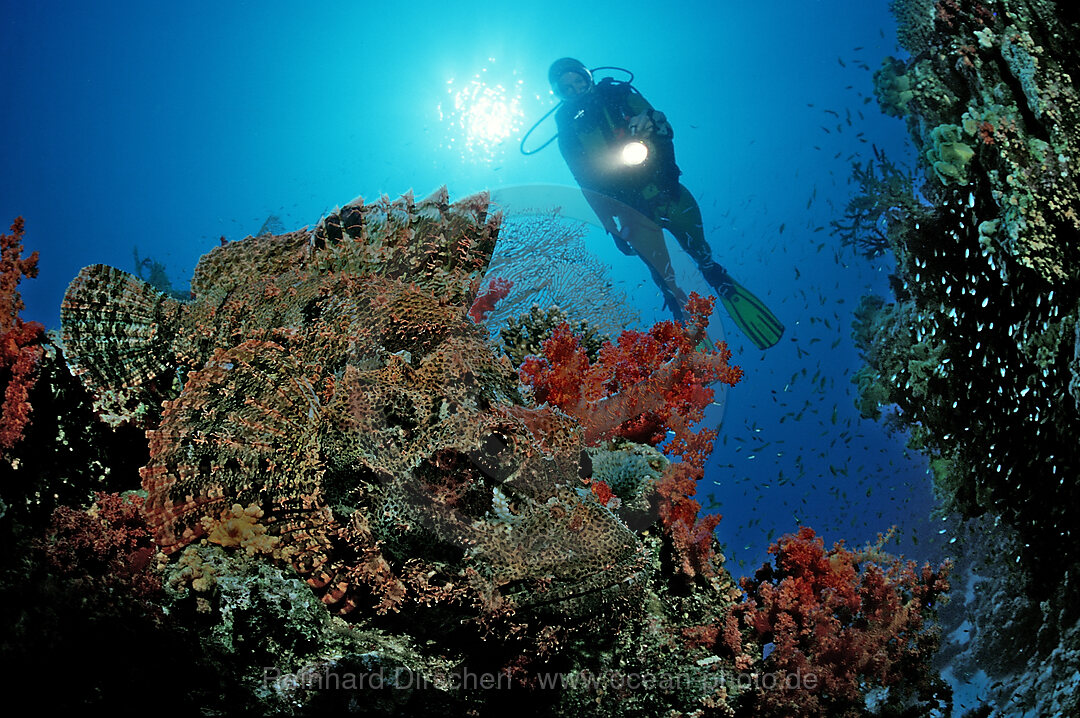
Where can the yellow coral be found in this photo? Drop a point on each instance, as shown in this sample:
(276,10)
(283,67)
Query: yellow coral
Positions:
(239,526)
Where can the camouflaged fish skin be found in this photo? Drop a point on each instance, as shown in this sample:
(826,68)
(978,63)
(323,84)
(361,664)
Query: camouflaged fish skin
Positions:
(334,379)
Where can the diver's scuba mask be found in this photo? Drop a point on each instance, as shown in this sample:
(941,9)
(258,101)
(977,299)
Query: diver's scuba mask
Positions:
(560,68)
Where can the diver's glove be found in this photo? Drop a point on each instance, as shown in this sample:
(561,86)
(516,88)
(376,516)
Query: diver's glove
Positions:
(641,125)
(649,122)
(623,245)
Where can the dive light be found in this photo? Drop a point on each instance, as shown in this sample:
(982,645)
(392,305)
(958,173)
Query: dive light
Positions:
(634,152)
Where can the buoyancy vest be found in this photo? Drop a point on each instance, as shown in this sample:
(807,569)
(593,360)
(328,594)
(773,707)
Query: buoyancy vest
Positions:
(592,131)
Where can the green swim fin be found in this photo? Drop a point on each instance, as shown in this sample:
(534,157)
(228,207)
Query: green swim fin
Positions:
(751,315)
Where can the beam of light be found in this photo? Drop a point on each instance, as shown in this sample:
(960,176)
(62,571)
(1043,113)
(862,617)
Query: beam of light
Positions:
(481,115)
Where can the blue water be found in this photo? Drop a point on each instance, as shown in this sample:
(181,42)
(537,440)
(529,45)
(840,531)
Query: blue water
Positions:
(169,126)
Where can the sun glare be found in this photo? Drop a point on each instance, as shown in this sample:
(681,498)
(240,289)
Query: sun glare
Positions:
(482,113)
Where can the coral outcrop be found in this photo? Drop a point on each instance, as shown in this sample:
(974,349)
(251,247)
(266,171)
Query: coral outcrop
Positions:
(974,352)
(325,403)
(335,381)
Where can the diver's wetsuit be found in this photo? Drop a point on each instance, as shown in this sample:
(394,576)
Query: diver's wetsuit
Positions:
(593,128)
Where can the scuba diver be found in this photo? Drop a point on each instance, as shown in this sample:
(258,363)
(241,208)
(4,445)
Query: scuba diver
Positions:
(622,154)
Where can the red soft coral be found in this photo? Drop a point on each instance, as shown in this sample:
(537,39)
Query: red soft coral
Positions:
(641,388)
(107,547)
(656,379)
(691,536)
(497,289)
(842,622)
(20,349)
(563,376)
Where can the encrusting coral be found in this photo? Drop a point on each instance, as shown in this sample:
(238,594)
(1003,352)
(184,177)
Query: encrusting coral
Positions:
(240,527)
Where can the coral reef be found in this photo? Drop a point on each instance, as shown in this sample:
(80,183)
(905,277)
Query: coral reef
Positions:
(83,603)
(347,489)
(892,87)
(973,355)
(287,654)
(108,543)
(915,23)
(341,415)
(643,385)
(628,469)
(525,334)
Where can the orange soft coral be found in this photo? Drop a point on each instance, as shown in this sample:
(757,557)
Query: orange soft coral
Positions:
(20,349)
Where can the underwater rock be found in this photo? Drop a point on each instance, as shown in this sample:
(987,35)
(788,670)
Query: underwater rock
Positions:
(1023,654)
